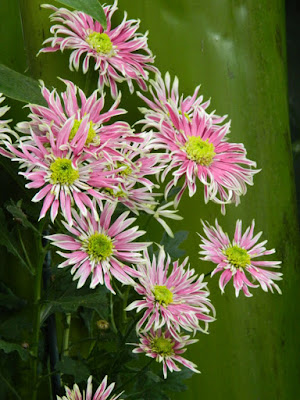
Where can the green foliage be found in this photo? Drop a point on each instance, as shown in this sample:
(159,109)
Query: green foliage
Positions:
(8,347)
(20,87)
(91,7)
(9,241)
(172,245)
(19,215)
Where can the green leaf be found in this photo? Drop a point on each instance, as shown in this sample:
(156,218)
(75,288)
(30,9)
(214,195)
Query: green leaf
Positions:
(20,87)
(63,296)
(8,347)
(8,299)
(90,7)
(171,245)
(76,368)
(7,240)
(17,212)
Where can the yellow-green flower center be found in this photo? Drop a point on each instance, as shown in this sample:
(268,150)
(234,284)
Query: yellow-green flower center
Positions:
(118,193)
(237,256)
(162,346)
(126,171)
(162,295)
(100,42)
(99,246)
(199,150)
(63,172)
(91,133)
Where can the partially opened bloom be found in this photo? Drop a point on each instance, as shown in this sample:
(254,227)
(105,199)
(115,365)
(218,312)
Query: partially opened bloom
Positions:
(163,92)
(102,393)
(101,249)
(199,151)
(171,295)
(164,348)
(90,124)
(120,53)
(237,259)
(62,175)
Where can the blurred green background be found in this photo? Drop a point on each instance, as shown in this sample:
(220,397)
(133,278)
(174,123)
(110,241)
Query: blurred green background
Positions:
(237,51)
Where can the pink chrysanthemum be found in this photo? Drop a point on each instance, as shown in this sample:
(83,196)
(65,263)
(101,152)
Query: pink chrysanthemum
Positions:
(162,346)
(238,257)
(102,393)
(163,93)
(90,122)
(199,151)
(100,248)
(174,297)
(120,54)
(63,175)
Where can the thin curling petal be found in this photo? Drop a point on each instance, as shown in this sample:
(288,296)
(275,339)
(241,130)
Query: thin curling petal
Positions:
(119,54)
(101,249)
(237,260)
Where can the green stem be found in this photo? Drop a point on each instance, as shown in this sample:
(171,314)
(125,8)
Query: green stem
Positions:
(30,267)
(66,335)
(112,319)
(37,312)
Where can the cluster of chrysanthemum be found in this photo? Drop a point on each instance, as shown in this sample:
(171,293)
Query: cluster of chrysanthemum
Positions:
(84,165)
(197,143)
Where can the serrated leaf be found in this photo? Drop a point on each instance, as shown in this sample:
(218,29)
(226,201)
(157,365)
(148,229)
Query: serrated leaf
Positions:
(63,296)
(20,87)
(17,212)
(8,347)
(7,240)
(171,245)
(90,7)
(76,368)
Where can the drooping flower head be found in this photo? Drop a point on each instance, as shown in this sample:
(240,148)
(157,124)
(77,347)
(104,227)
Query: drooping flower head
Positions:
(120,53)
(200,151)
(90,122)
(238,258)
(102,393)
(63,175)
(101,249)
(172,296)
(164,348)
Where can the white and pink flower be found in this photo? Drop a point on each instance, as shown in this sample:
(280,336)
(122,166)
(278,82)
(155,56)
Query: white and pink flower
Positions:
(101,249)
(171,296)
(102,393)
(90,121)
(164,348)
(238,258)
(199,151)
(63,175)
(120,53)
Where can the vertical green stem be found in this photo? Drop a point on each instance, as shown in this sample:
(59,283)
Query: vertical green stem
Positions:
(66,335)
(37,312)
